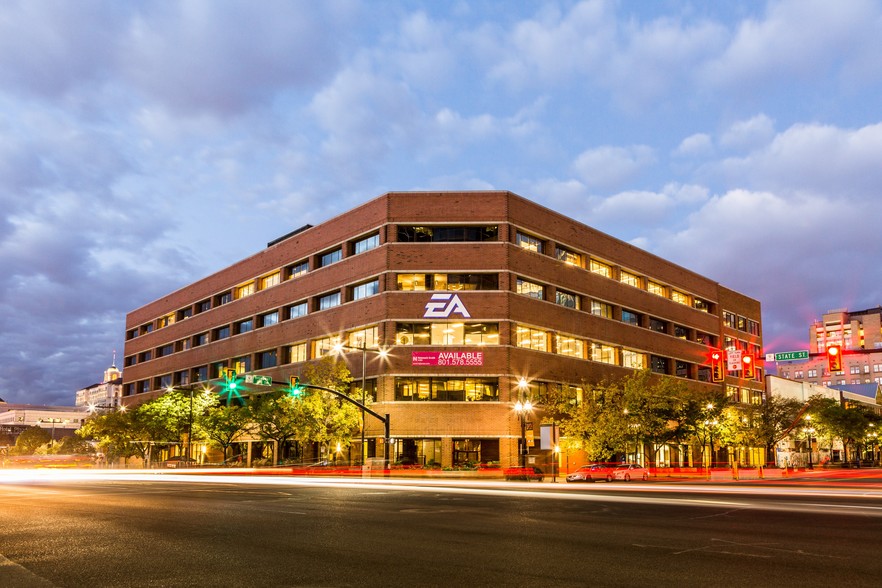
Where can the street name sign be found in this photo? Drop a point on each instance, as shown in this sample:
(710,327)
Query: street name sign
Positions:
(792,355)
(258,380)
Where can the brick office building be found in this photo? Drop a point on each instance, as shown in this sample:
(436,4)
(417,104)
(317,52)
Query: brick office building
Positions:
(471,292)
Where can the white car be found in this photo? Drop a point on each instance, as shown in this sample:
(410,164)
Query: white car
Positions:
(628,471)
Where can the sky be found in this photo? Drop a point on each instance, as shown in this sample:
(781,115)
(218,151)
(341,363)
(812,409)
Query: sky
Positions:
(145,145)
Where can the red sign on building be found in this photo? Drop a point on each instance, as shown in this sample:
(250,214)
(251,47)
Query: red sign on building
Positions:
(433,358)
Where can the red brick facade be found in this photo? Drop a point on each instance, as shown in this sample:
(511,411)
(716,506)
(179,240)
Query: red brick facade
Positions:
(179,338)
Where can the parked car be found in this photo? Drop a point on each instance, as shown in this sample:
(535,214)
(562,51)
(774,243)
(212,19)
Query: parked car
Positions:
(592,473)
(627,471)
(179,461)
(524,474)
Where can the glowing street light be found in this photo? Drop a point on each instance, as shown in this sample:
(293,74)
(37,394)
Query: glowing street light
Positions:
(522,408)
(339,348)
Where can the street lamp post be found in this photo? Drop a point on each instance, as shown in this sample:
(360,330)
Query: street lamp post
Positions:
(383,353)
(808,439)
(522,408)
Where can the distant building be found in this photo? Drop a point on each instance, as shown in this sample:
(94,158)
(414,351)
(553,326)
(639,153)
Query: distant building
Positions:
(858,333)
(61,421)
(105,394)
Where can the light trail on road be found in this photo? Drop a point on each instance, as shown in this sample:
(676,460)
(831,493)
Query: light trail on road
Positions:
(717,496)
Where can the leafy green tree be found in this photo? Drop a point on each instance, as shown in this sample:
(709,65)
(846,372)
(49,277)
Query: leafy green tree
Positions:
(597,424)
(279,417)
(223,425)
(329,420)
(73,445)
(31,440)
(118,434)
(770,422)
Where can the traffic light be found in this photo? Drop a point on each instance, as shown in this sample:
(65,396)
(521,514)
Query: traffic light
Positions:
(834,358)
(718,370)
(228,373)
(230,385)
(295,389)
(748,366)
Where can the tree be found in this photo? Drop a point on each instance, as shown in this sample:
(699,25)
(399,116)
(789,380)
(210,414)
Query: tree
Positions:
(330,420)
(771,421)
(118,434)
(73,445)
(30,440)
(278,417)
(224,424)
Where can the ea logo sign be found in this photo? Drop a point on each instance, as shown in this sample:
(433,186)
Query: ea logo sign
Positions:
(443,305)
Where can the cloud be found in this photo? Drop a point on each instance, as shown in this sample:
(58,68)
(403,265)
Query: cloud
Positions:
(697,145)
(798,39)
(609,167)
(749,134)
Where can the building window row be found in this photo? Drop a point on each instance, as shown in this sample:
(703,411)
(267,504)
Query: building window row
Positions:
(456,282)
(447,389)
(263,282)
(607,270)
(452,333)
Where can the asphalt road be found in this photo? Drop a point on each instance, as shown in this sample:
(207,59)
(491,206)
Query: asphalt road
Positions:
(174,531)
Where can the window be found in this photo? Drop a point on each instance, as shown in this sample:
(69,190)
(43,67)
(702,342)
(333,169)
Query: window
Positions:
(478,334)
(330,257)
(699,304)
(569,257)
(200,374)
(296,310)
(570,346)
(655,288)
(269,319)
(681,332)
(203,306)
(600,268)
(241,364)
(447,389)
(221,333)
(567,299)
(267,359)
(658,325)
(530,338)
(729,319)
(368,338)
(658,364)
(165,321)
(224,298)
(165,381)
(297,353)
(528,242)
(601,309)
(244,290)
(165,350)
(854,369)
(243,326)
(298,269)
(530,289)
(632,318)
(742,323)
(679,297)
(633,359)
(367,243)
(185,313)
(753,327)
(365,290)
(148,328)
(324,346)
(603,353)
(455,282)
(270,280)
(706,338)
(629,278)
(446,234)
(813,373)
(329,301)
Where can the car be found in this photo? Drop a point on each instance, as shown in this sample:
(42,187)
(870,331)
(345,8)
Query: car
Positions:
(179,461)
(627,471)
(592,473)
(524,474)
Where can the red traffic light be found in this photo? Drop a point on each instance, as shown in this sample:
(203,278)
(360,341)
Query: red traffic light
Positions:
(748,366)
(718,372)
(834,358)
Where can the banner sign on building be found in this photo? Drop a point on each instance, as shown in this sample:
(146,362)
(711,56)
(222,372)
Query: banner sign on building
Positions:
(445,358)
